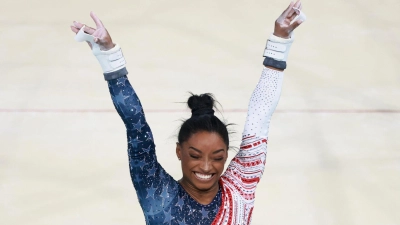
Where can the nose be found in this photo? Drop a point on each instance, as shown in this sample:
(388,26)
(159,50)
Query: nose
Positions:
(205,165)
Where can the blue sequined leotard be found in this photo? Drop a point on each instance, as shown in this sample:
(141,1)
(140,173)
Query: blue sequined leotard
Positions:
(163,199)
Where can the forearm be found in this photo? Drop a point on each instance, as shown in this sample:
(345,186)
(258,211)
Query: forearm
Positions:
(129,108)
(263,102)
(248,164)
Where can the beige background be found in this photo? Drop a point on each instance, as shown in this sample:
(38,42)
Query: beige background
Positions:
(334,152)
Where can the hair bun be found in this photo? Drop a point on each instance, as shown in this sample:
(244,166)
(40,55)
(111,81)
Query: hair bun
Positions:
(201,104)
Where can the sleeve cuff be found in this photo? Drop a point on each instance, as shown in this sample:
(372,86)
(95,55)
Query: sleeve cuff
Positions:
(116,74)
(274,63)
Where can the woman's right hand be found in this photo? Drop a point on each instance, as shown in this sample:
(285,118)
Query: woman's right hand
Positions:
(100,34)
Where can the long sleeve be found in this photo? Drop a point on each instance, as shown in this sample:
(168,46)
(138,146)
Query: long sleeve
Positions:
(154,187)
(262,104)
(246,168)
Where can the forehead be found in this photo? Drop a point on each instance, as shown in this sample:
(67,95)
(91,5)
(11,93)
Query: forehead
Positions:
(205,141)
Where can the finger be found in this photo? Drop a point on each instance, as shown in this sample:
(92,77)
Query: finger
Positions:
(298,3)
(292,17)
(292,12)
(288,10)
(96,20)
(74,29)
(295,24)
(77,24)
(301,6)
(89,30)
(296,10)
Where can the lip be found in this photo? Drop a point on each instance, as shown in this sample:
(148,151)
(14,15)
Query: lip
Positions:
(204,179)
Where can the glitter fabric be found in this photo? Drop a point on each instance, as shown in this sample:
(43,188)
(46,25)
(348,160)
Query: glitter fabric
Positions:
(163,200)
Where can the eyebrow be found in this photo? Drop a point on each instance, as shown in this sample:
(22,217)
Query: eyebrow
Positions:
(215,152)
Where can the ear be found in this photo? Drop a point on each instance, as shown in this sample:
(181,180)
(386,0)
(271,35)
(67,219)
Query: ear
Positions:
(178,150)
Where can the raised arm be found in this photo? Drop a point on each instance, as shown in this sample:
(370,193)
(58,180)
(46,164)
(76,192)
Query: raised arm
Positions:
(153,185)
(246,168)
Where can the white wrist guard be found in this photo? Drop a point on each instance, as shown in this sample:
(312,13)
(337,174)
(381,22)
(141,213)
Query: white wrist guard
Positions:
(110,60)
(278,48)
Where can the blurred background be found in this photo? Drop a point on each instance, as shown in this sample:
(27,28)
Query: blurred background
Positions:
(334,144)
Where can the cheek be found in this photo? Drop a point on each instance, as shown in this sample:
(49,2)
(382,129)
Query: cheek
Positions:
(188,163)
(219,166)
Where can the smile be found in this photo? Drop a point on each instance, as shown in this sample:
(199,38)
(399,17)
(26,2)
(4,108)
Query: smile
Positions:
(203,176)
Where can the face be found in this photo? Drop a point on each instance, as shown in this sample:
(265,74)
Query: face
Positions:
(203,157)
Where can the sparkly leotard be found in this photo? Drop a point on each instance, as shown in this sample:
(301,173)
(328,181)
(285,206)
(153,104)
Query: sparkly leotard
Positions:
(163,200)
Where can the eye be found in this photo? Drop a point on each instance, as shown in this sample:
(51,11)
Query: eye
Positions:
(219,159)
(194,157)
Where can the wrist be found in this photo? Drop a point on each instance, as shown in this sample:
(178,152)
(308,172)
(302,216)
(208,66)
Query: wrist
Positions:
(108,47)
(278,48)
(110,60)
(276,51)
(281,35)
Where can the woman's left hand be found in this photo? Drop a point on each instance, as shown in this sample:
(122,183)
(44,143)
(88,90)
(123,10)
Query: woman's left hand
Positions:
(283,25)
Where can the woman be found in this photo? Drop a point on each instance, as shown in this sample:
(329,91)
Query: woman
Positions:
(202,196)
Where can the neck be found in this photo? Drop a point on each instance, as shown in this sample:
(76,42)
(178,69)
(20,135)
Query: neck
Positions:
(203,197)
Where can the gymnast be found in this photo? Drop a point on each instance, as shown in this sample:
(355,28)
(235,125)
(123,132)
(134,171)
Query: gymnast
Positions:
(204,194)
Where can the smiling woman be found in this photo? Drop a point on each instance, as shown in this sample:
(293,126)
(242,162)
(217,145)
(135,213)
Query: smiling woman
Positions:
(202,148)
(204,195)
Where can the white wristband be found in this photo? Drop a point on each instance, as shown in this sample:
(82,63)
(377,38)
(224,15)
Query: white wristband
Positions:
(110,60)
(278,48)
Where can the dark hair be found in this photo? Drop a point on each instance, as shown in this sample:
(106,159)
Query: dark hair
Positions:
(202,119)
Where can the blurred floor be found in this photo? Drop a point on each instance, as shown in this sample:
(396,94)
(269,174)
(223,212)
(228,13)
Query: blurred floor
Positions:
(334,152)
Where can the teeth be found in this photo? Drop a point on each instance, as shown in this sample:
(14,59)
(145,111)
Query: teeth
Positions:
(203,176)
